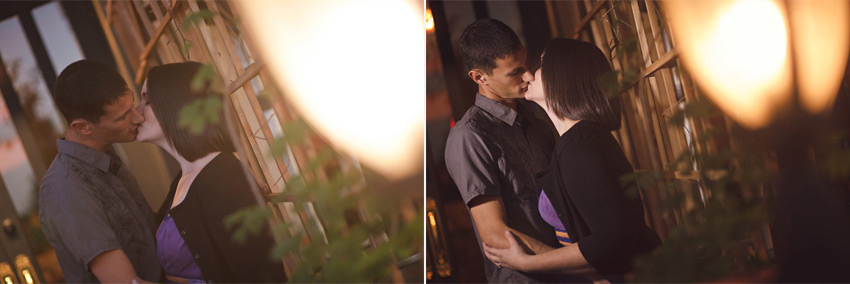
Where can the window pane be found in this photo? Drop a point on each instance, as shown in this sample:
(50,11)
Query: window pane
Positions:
(59,40)
(25,75)
(15,167)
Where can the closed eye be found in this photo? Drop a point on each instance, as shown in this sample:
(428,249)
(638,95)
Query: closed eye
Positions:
(123,116)
(517,72)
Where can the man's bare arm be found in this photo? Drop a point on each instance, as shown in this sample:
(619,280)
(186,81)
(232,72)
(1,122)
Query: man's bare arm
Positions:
(536,246)
(114,267)
(489,215)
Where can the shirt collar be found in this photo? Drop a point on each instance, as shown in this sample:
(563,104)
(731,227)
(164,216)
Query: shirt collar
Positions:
(503,112)
(106,162)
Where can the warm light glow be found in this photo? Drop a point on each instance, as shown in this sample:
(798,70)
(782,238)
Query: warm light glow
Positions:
(738,52)
(432,220)
(27,276)
(354,69)
(821,45)
(429,21)
(8,280)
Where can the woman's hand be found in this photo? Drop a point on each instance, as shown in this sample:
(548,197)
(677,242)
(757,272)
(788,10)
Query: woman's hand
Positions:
(511,257)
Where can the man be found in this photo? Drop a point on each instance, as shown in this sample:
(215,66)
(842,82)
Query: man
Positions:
(498,146)
(92,211)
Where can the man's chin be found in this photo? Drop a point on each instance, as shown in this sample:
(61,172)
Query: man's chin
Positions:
(521,95)
(129,139)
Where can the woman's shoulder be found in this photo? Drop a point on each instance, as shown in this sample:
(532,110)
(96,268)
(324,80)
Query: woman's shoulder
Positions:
(585,136)
(223,172)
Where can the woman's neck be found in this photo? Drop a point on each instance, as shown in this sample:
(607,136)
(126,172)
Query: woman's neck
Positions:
(190,169)
(186,166)
(562,125)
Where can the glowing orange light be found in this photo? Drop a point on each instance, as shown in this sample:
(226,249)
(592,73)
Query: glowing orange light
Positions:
(429,21)
(27,276)
(738,51)
(299,42)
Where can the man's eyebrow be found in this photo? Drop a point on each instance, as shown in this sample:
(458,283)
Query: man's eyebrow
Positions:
(517,71)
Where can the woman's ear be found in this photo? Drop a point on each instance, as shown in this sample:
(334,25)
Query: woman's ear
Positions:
(478,76)
(81,126)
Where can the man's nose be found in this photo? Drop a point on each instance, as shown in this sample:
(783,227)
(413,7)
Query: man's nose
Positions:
(137,114)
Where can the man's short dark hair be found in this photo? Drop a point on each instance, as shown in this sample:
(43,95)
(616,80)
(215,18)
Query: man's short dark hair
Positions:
(169,90)
(572,71)
(485,41)
(85,87)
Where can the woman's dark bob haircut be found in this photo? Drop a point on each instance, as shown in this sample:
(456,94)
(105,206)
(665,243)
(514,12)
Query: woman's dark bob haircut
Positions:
(572,71)
(169,90)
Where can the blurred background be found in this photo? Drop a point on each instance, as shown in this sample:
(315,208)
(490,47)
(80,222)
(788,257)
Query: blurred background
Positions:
(341,209)
(742,156)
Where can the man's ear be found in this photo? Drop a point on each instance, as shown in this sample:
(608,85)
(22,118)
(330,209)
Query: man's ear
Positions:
(82,126)
(478,76)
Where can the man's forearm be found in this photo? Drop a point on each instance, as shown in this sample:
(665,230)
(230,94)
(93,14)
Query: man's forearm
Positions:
(532,245)
(566,259)
(114,267)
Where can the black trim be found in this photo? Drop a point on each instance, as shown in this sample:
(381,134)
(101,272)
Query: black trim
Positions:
(14,8)
(38,49)
(9,94)
(535,29)
(480,8)
(86,26)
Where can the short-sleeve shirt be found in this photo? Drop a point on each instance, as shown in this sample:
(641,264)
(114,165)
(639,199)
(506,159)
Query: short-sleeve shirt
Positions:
(91,204)
(495,150)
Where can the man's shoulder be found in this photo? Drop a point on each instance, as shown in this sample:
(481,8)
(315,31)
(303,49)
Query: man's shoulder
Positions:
(65,179)
(57,174)
(477,122)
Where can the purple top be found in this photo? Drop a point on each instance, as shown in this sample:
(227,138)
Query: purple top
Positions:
(548,213)
(174,255)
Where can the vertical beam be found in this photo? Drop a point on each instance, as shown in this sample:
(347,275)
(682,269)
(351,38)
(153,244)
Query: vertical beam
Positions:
(19,118)
(535,28)
(480,8)
(461,96)
(113,45)
(38,49)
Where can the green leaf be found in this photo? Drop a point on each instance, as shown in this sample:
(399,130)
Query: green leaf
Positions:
(199,114)
(295,132)
(186,46)
(205,77)
(197,17)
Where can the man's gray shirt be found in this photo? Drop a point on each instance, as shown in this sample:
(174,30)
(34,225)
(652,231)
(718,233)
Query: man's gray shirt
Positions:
(91,204)
(496,151)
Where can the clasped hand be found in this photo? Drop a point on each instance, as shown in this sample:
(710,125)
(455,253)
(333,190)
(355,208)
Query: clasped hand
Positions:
(511,257)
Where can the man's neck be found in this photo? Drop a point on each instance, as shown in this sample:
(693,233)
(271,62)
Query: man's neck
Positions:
(488,93)
(72,136)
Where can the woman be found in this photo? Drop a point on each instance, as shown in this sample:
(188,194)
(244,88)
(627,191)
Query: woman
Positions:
(601,228)
(192,241)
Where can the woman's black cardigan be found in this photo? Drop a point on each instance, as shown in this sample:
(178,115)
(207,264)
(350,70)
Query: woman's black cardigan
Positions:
(219,190)
(583,182)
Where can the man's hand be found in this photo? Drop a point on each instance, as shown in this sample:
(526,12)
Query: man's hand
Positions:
(511,257)
(114,267)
